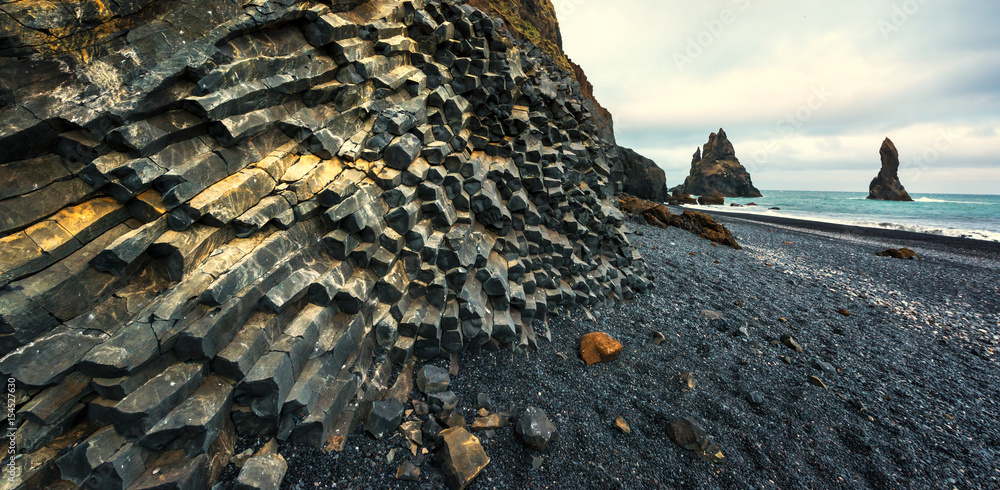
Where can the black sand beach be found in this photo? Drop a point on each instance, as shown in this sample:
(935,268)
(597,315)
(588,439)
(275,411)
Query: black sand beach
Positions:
(918,351)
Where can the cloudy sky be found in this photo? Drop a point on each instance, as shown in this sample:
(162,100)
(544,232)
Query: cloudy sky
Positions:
(805,89)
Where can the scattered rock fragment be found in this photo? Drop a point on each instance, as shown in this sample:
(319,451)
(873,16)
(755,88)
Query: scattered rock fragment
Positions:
(536,430)
(791,343)
(657,338)
(432,379)
(407,472)
(446,400)
(756,398)
(483,400)
(690,435)
(844,311)
(826,367)
(489,422)
(815,381)
(688,379)
(412,431)
(598,347)
(536,461)
(901,253)
(622,425)
(263,471)
(461,456)
(420,407)
(431,429)
(710,314)
(384,417)
(454,419)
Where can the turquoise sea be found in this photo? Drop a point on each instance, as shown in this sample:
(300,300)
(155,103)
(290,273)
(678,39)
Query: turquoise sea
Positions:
(958,215)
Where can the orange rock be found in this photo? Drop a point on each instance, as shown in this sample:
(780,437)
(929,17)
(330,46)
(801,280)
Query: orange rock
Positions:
(599,347)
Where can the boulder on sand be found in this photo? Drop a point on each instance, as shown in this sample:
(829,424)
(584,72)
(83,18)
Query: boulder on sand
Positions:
(901,253)
(598,347)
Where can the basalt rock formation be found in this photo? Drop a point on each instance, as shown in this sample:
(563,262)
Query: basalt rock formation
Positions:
(716,169)
(642,177)
(535,21)
(886,185)
(214,220)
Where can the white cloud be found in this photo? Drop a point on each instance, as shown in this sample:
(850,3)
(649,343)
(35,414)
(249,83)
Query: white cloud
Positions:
(760,65)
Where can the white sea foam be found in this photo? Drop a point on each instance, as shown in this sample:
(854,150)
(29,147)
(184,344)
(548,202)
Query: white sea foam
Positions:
(931,199)
(928,229)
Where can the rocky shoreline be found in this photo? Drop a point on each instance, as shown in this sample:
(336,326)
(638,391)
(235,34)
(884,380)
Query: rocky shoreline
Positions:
(910,398)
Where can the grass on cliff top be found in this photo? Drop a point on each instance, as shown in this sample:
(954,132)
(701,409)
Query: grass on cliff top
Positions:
(513,13)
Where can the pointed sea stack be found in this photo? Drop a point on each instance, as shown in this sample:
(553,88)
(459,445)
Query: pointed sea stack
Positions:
(717,170)
(886,186)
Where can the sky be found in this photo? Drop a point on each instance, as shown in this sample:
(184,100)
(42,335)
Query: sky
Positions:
(805,89)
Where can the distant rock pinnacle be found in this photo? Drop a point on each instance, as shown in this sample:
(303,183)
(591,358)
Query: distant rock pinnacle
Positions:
(715,169)
(886,186)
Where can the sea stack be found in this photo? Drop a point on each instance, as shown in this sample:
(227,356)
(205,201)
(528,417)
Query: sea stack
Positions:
(717,170)
(886,186)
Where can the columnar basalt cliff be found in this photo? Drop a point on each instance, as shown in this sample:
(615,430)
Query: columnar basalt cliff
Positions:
(213,218)
(715,169)
(535,21)
(886,185)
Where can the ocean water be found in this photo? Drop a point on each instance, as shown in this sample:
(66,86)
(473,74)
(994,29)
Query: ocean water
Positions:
(957,215)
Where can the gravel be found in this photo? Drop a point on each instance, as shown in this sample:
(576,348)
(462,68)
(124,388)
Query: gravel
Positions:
(918,352)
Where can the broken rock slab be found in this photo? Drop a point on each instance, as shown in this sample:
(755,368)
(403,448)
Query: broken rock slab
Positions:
(432,379)
(689,434)
(385,417)
(461,457)
(536,430)
(262,472)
